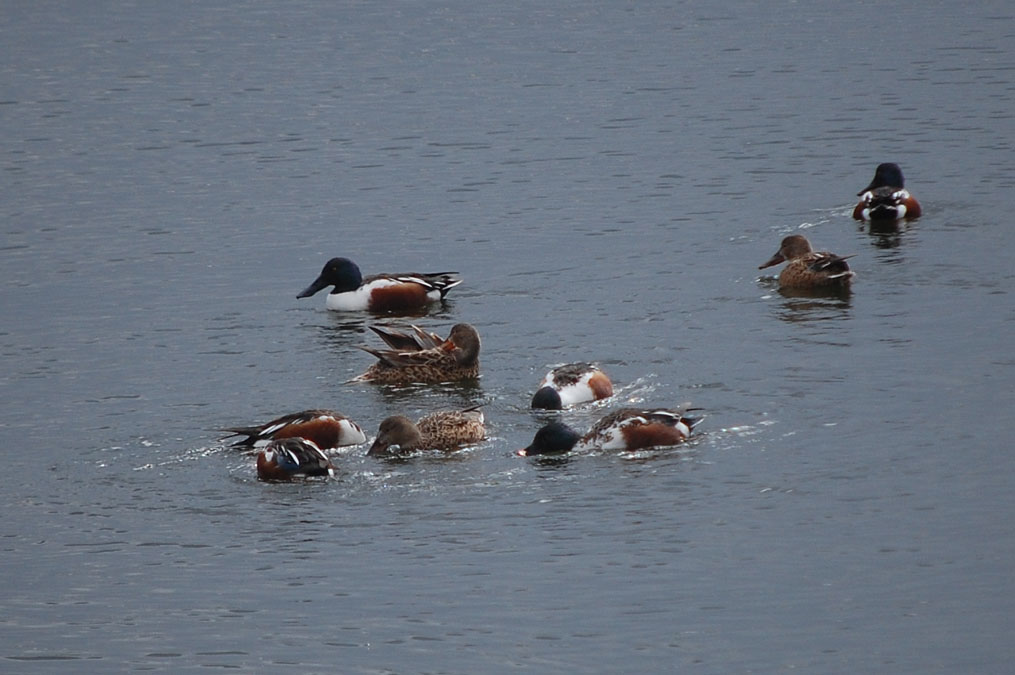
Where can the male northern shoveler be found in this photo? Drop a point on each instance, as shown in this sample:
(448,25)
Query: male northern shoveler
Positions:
(289,458)
(571,384)
(808,268)
(379,292)
(886,198)
(445,430)
(326,428)
(424,357)
(552,439)
(624,429)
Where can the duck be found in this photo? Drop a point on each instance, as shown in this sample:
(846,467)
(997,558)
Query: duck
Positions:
(886,198)
(327,429)
(446,430)
(289,458)
(422,357)
(571,384)
(352,292)
(809,269)
(624,429)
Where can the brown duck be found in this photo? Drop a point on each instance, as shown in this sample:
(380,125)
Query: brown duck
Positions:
(446,430)
(422,357)
(808,268)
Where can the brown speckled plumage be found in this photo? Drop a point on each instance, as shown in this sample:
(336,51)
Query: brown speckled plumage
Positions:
(424,357)
(445,430)
(809,269)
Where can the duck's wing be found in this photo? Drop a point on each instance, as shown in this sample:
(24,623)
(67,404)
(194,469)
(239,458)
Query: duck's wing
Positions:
(394,358)
(265,432)
(418,340)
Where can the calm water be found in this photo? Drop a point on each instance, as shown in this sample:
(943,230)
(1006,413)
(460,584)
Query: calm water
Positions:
(606,177)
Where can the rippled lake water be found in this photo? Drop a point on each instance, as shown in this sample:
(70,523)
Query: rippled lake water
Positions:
(607,178)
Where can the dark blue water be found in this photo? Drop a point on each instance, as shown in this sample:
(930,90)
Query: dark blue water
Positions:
(607,179)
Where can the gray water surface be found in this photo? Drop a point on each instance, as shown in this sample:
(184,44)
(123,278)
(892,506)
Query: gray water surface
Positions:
(606,177)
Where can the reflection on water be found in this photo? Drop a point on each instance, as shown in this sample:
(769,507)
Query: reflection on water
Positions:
(887,234)
(808,305)
(886,239)
(815,307)
(470,392)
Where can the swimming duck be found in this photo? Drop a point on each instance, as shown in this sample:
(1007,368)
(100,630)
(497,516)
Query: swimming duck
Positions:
(808,268)
(446,430)
(325,428)
(570,384)
(624,429)
(886,198)
(423,357)
(379,292)
(289,458)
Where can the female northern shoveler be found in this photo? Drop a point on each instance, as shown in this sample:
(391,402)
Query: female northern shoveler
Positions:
(424,357)
(326,428)
(886,198)
(438,431)
(624,429)
(379,292)
(808,268)
(571,384)
(289,458)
